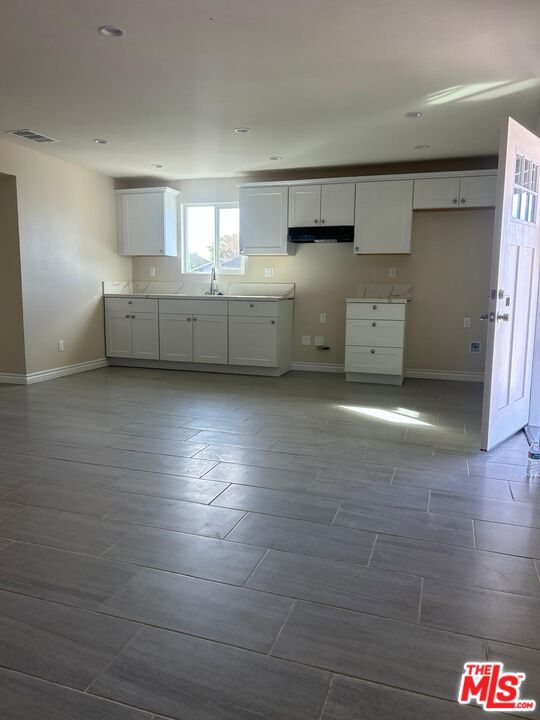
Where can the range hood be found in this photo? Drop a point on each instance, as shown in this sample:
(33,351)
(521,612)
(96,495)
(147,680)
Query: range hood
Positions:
(322,234)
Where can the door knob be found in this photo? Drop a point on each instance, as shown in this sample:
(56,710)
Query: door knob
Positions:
(484,316)
(505,317)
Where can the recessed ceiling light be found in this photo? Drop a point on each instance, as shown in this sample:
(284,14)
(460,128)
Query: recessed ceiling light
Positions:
(275,157)
(414,114)
(156,165)
(99,141)
(111,31)
(241,130)
(421,147)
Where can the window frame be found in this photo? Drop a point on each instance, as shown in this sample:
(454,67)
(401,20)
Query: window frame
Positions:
(184,240)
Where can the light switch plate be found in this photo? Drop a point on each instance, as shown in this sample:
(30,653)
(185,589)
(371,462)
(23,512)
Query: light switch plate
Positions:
(322,318)
(152,271)
(306,339)
(318,340)
(392,272)
(466,322)
(268,272)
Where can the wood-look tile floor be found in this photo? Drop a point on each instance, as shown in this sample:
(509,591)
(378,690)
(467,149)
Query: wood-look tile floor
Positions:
(212,547)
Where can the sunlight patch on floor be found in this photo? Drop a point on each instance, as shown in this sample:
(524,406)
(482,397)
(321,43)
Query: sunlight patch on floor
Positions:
(401,416)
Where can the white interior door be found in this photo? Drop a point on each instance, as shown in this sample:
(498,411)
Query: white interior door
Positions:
(514,287)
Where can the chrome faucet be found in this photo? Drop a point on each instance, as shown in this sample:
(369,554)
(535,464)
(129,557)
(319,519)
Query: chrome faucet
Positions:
(213,286)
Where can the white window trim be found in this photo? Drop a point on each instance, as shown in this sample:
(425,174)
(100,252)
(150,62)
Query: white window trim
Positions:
(217,205)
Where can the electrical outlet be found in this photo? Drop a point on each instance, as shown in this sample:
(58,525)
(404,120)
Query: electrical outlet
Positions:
(152,271)
(269,272)
(392,272)
(60,346)
(466,322)
(306,339)
(322,318)
(318,340)
(475,346)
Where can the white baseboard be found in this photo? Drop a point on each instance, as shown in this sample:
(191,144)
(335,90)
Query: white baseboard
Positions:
(318,367)
(445,375)
(42,375)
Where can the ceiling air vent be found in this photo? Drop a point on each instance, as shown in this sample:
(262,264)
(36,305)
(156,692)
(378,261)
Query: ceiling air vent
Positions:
(31,135)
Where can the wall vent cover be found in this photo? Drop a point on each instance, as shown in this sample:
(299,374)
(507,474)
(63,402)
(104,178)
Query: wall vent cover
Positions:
(31,135)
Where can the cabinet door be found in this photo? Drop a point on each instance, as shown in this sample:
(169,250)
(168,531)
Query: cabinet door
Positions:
(263,221)
(140,224)
(253,341)
(477,191)
(145,336)
(337,204)
(210,341)
(118,334)
(436,193)
(383,217)
(175,337)
(304,205)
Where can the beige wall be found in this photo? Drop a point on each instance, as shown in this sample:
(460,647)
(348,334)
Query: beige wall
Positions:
(449,269)
(12,359)
(67,231)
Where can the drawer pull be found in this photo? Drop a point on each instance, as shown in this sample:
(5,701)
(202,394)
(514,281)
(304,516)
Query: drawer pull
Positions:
(189,319)
(251,305)
(373,352)
(127,316)
(194,319)
(374,307)
(273,322)
(130,302)
(133,317)
(373,324)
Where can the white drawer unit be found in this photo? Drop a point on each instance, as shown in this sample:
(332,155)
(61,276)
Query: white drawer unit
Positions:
(375,341)
(253,308)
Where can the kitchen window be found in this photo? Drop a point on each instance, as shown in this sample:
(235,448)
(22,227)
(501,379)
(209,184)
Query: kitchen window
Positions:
(210,235)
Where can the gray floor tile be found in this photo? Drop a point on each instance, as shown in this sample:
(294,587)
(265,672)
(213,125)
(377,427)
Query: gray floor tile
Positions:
(320,450)
(175,515)
(526,492)
(371,493)
(169,486)
(61,576)
(187,554)
(407,523)
(276,502)
(403,655)
(164,432)
(484,613)
(306,538)
(390,594)
(520,659)
(93,501)
(490,509)
(273,479)
(214,437)
(9,508)
(61,530)
(464,566)
(236,616)
(184,677)
(511,539)
(502,471)
(261,458)
(27,698)
(356,699)
(445,462)
(58,643)
(162,446)
(452,482)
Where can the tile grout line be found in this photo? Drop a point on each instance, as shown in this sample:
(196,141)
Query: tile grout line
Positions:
(372,550)
(274,643)
(420,599)
(108,665)
(338,510)
(474,534)
(236,524)
(244,584)
(325,703)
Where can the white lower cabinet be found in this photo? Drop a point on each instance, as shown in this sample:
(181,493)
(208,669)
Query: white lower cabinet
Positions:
(375,341)
(253,341)
(175,337)
(132,328)
(210,343)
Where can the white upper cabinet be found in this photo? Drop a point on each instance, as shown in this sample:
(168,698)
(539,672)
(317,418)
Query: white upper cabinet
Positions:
(304,205)
(337,204)
(478,191)
(147,221)
(383,217)
(437,193)
(263,221)
(312,205)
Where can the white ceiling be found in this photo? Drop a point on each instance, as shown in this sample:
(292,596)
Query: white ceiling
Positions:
(319,82)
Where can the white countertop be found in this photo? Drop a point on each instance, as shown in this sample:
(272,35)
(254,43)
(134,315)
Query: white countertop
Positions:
(379,301)
(178,296)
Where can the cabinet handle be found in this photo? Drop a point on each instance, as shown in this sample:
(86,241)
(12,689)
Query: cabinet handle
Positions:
(273,322)
(130,302)
(373,324)
(161,251)
(242,251)
(454,201)
(251,305)
(194,319)
(323,220)
(189,319)
(357,249)
(133,317)
(374,307)
(127,316)
(373,352)
(462,201)
(315,220)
